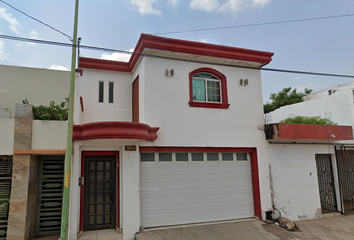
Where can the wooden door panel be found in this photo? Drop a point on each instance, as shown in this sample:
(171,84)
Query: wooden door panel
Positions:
(136,100)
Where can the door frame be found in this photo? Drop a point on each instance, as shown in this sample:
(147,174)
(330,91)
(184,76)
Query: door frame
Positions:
(99,153)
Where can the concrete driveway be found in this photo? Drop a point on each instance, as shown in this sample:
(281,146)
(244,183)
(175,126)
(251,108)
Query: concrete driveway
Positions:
(333,228)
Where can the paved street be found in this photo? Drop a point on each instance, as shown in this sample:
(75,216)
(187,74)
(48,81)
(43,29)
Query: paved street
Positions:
(333,228)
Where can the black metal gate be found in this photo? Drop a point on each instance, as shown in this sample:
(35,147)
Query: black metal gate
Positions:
(326,183)
(345,165)
(50,194)
(100,192)
(5,190)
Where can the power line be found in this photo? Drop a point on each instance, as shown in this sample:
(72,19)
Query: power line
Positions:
(70,38)
(170,58)
(256,24)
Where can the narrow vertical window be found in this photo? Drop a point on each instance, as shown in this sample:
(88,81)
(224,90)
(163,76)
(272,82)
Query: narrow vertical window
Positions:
(100,91)
(110,93)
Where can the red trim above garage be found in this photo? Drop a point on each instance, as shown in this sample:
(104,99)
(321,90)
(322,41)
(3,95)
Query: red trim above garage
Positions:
(254,165)
(114,130)
(147,41)
(147,149)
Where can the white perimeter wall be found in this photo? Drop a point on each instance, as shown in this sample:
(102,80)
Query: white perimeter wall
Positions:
(38,86)
(294,181)
(325,92)
(338,107)
(49,135)
(7,127)
(87,88)
(166,106)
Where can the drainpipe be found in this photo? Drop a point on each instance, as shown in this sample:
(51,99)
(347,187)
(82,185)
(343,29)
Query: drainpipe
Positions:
(69,139)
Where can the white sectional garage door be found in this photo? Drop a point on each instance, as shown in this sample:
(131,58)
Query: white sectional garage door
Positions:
(187,188)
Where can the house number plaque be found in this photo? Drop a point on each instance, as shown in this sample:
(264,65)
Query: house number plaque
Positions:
(130,148)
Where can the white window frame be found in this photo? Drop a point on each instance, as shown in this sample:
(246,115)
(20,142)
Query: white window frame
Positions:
(206,87)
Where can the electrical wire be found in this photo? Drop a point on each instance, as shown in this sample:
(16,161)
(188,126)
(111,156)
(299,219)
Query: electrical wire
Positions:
(256,24)
(169,58)
(70,38)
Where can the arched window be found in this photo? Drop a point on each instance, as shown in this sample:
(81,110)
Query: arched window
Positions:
(207,89)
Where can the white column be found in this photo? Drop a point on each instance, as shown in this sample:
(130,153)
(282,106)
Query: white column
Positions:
(131,197)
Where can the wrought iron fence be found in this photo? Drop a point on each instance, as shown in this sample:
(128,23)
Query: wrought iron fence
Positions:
(326,183)
(345,164)
(5,191)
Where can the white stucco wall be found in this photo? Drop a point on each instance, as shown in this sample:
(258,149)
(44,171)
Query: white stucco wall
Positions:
(87,88)
(338,107)
(38,86)
(49,135)
(7,127)
(325,92)
(294,181)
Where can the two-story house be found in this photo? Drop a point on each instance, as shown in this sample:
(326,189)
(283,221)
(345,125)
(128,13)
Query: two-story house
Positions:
(174,136)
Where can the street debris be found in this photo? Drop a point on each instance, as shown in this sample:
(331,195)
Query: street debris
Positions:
(286,224)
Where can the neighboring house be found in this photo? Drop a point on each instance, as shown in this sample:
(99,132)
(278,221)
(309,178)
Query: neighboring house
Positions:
(311,168)
(171,137)
(30,142)
(38,86)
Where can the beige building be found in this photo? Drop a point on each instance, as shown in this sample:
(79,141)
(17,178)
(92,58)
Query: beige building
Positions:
(19,83)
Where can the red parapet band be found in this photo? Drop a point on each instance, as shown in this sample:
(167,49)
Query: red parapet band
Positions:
(114,130)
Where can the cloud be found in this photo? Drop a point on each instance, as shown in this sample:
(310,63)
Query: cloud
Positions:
(33,35)
(3,55)
(58,67)
(238,5)
(174,3)
(14,25)
(117,56)
(145,7)
(204,40)
(226,5)
(206,5)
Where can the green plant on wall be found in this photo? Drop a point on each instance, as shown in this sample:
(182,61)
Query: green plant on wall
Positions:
(51,112)
(308,120)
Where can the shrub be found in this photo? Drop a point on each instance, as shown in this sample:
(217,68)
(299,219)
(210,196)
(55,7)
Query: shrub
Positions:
(51,112)
(308,120)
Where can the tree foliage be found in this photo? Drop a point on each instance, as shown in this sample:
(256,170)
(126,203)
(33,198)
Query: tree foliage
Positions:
(287,96)
(51,112)
(308,120)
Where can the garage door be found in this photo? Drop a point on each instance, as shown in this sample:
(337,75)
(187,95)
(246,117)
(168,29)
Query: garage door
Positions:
(182,188)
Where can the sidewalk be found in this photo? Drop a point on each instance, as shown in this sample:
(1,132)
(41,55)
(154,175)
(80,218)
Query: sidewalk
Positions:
(333,228)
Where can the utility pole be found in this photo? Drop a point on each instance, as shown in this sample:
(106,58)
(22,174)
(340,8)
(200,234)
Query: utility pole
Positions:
(69,139)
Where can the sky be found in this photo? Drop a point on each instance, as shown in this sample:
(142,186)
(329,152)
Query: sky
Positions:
(315,46)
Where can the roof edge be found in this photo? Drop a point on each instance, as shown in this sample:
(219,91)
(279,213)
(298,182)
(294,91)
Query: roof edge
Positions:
(147,41)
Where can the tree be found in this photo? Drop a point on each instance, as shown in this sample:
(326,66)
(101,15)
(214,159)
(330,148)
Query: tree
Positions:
(285,97)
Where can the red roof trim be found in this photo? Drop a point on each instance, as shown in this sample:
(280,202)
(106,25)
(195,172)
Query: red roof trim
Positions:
(181,46)
(114,130)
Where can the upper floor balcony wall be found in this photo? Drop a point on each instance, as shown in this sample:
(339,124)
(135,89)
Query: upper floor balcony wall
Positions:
(103,96)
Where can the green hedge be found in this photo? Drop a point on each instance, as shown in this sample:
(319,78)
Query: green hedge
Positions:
(308,120)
